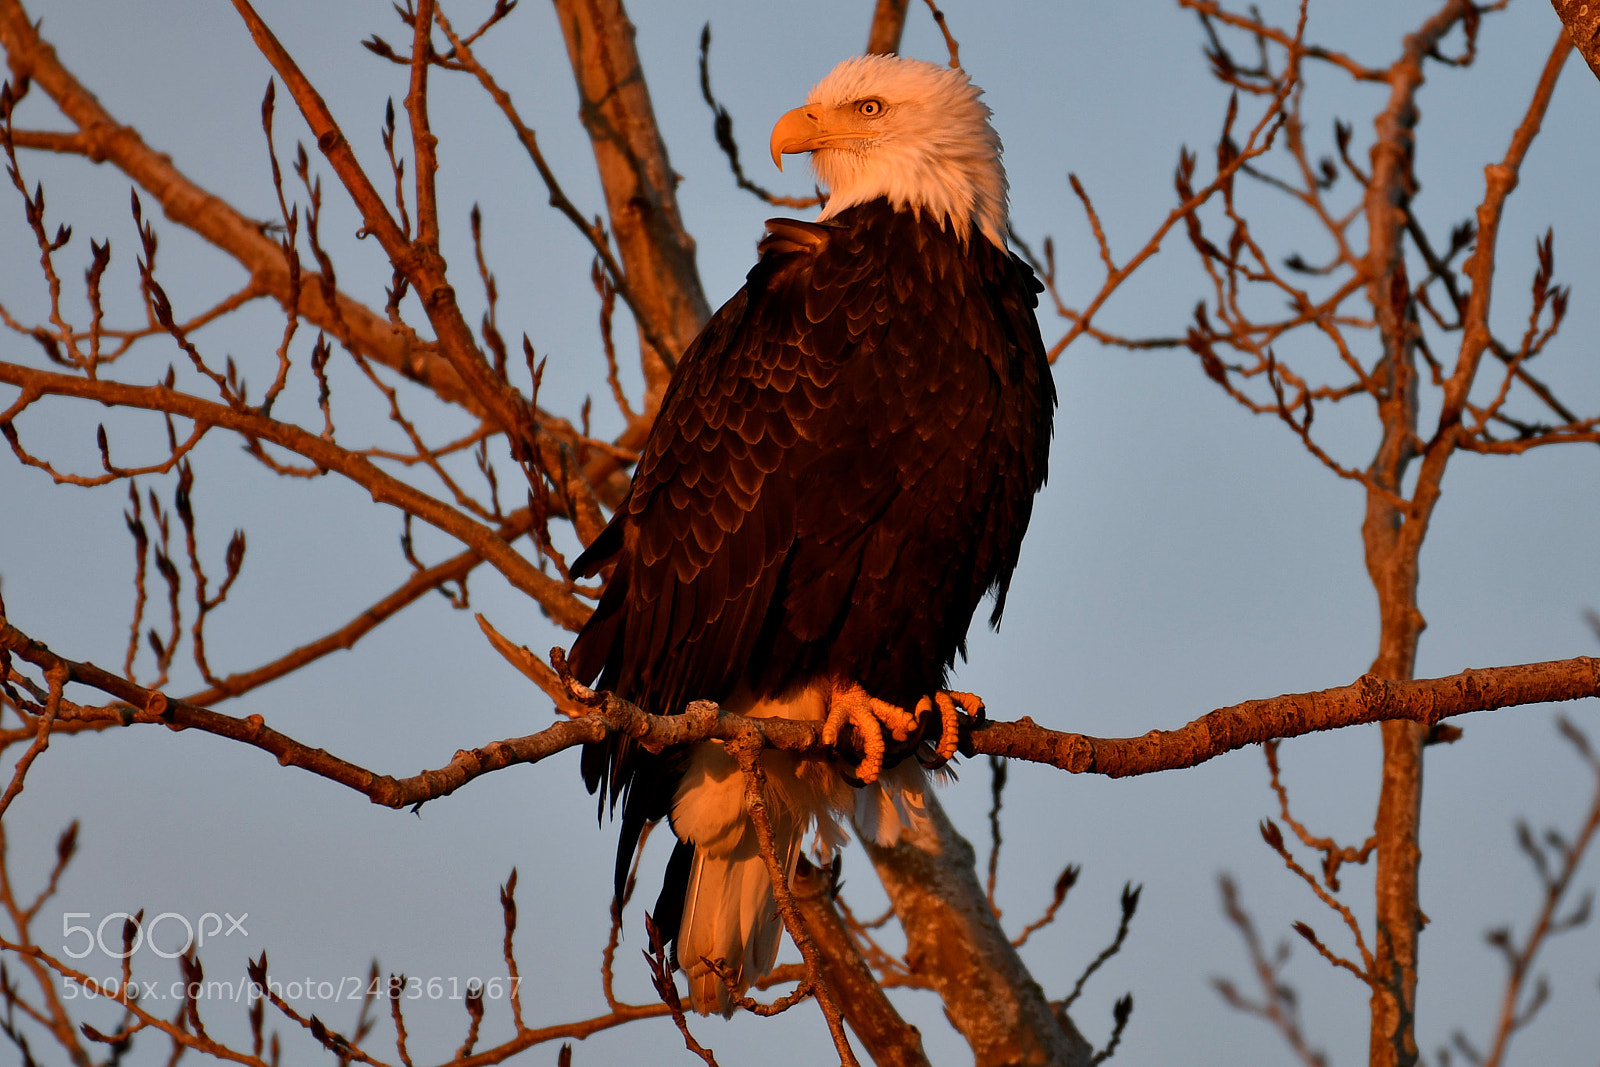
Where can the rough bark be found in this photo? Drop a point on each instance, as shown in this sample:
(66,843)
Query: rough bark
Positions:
(657,252)
(1369,699)
(888,25)
(1392,536)
(1395,528)
(956,944)
(1582,20)
(890,1041)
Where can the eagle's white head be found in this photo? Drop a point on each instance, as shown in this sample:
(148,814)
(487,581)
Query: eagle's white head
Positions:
(910,131)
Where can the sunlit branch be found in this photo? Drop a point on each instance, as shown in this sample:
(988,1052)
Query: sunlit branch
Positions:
(1370,699)
(563,607)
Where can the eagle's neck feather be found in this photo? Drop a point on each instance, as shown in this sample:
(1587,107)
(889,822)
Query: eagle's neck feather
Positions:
(967,192)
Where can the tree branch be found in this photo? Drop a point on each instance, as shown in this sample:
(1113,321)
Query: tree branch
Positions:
(421,264)
(657,252)
(746,749)
(1582,21)
(954,941)
(1367,700)
(594,232)
(888,25)
(890,1041)
(554,596)
(103,139)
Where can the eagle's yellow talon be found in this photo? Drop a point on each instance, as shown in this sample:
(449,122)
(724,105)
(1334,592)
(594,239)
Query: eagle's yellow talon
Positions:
(870,716)
(830,729)
(950,704)
(900,723)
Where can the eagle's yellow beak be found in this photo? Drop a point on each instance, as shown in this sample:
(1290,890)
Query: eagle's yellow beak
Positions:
(799,130)
(808,128)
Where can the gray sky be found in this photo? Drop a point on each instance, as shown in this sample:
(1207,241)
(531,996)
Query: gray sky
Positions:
(1184,555)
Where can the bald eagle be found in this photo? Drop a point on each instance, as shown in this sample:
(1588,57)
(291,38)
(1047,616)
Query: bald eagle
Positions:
(843,467)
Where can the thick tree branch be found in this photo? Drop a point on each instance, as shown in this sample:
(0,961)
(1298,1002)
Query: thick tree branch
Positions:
(888,25)
(954,942)
(1582,20)
(1367,700)
(890,1041)
(657,252)
(1392,535)
(1392,538)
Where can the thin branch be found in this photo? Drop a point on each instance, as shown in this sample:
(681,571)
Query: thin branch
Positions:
(722,130)
(553,595)
(420,263)
(1548,922)
(746,749)
(1260,140)
(1257,28)
(1064,883)
(661,977)
(1279,1005)
(997,789)
(1333,855)
(1130,905)
(211,217)
(944,28)
(58,682)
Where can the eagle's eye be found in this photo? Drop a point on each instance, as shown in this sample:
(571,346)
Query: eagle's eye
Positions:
(869,108)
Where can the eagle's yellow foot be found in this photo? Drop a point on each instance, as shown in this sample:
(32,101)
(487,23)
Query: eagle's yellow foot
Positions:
(869,716)
(949,703)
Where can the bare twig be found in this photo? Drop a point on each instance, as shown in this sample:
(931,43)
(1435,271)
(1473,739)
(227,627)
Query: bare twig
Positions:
(1130,905)
(58,681)
(746,749)
(722,130)
(944,28)
(483,540)
(1556,877)
(1279,1006)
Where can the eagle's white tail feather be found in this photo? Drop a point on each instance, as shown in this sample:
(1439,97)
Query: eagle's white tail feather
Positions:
(729,915)
(891,805)
(729,912)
